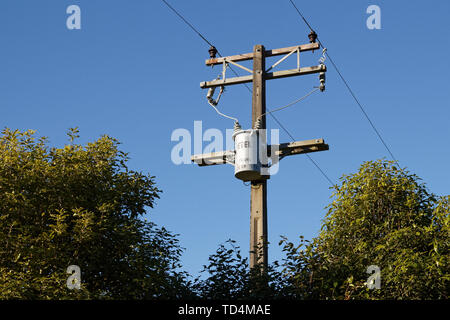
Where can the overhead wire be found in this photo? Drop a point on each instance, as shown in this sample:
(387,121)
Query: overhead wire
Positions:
(347,85)
(213,103)
(187,22)
(289,104)
(199,34)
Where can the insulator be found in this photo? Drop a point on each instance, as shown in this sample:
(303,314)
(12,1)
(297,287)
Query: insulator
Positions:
(257,124)
(322,77)
(322,81)
(237,127)
(212,52)
(322,87)
(210,93)
(312,37)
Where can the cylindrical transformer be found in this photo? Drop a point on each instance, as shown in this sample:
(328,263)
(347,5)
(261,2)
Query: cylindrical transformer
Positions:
(247,164)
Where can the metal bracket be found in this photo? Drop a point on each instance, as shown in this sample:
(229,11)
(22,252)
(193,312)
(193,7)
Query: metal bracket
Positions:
(238,65)
(285,57)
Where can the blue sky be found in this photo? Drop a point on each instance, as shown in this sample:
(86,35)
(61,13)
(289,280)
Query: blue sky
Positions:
(133,72)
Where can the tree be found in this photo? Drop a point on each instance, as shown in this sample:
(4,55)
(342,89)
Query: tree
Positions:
(80,205)
(382,216)
(229,277)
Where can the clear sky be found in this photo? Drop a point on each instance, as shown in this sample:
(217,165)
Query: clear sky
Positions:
(133,72)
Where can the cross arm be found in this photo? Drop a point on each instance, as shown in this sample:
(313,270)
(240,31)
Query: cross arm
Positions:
(213,158)
(268,76)
(268,53)
(281,150)
(298,147)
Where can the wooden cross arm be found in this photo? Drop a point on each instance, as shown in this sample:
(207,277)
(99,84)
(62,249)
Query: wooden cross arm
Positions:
(298,147)
(214,158)
(268,53)
(282,150)
(268,76)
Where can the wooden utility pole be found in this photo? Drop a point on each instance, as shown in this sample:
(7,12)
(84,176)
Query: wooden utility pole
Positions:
(258,193)
(259,75)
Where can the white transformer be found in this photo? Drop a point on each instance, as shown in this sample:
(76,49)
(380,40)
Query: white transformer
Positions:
(250,153)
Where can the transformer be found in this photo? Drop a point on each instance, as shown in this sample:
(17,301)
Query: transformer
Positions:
(250,154)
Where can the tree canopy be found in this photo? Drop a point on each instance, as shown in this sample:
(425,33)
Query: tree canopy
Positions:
(80,205)
(381,216)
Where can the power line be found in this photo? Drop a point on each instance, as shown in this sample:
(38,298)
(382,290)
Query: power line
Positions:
(309,157)
(200,35)
(289,104)
(347,85)
(298,11)
(187,22)
(248,88)
(362,108)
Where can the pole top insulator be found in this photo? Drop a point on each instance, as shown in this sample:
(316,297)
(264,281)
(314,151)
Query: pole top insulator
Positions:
(312,36)
(212,52)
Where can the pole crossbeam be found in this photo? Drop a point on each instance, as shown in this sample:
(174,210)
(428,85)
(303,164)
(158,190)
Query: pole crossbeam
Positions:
(268,76)
(267,53)
(282,150)
(214,158)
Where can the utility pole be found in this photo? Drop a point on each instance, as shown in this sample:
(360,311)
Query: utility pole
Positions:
(258,76)
(258,192)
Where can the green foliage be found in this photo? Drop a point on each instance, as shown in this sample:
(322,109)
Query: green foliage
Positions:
(383,216)
(80,205)
(229,277)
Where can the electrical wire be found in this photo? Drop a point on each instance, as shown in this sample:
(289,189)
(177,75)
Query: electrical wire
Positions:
(289,104)
(187,22)
(220,113)
(332,184)
(213,104)
(347,85)
(200,35)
